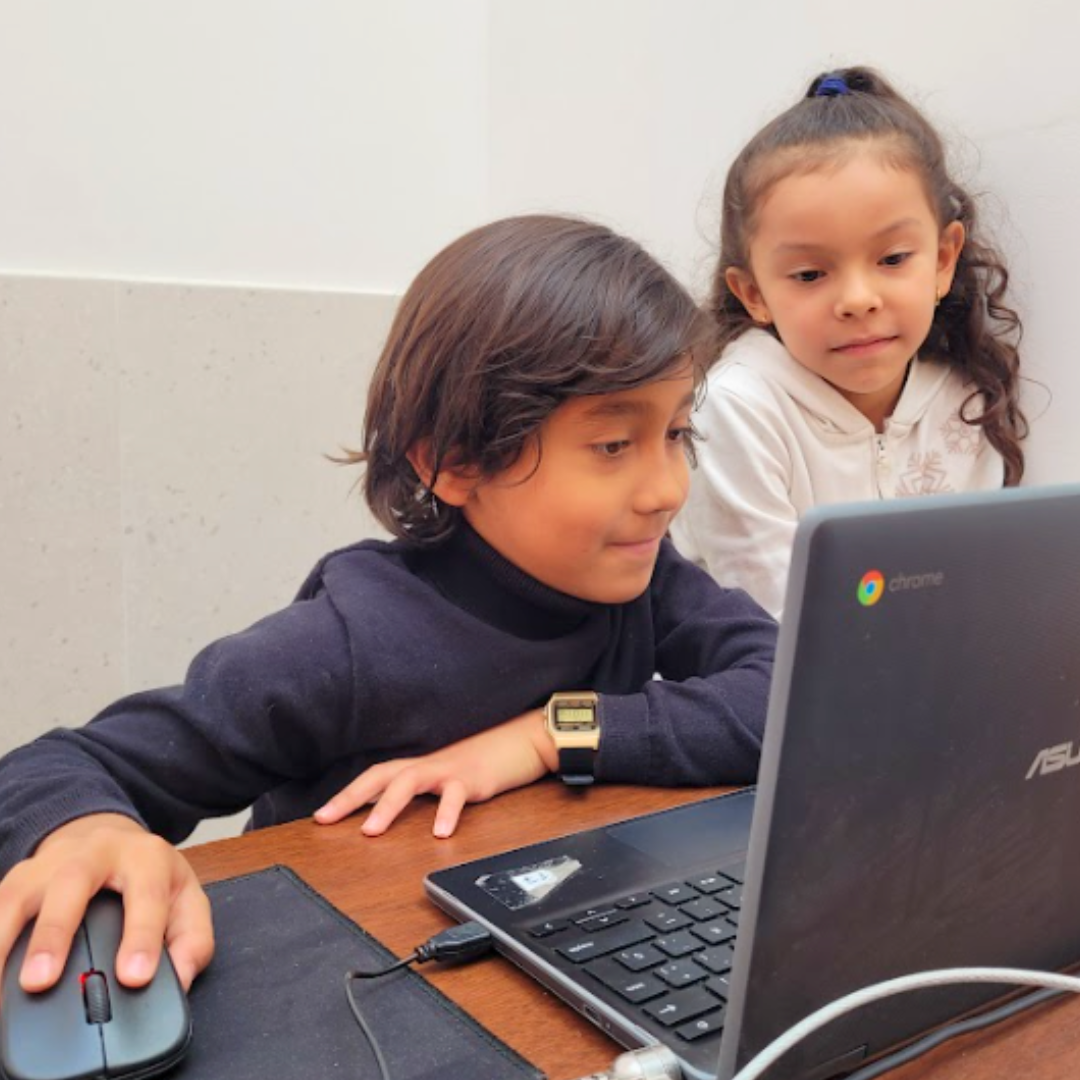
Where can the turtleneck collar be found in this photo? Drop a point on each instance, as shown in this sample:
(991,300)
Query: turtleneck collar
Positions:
(473,576)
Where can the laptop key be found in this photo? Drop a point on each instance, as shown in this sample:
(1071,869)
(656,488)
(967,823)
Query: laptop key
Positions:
(601,922)
(607,941)
(633,900)
(716,958)
(591,913)
(640,957)
(680,973)
(720,985)
(710,883)
(733,897)
(715,932)
(678,944)
(680,1006)
(627,984)
(546,929)
(703,909)
(709,1024)
(666,919)
(678,892)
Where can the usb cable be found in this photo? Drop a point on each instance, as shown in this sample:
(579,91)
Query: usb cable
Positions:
(659,1063)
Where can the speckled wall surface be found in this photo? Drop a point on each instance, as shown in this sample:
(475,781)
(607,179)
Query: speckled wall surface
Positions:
(162,479)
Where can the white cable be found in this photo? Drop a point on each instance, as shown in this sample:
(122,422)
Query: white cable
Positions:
(922,980)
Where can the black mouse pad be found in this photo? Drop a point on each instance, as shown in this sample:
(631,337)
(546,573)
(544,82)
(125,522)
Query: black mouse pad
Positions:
(272,1003)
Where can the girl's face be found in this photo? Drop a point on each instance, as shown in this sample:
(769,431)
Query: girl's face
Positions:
(848,263)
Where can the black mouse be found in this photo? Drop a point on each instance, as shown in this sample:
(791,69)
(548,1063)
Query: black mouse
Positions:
(89,1026)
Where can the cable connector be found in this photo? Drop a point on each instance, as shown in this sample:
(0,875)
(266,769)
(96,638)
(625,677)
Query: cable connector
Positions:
(648,1063)
(465,942)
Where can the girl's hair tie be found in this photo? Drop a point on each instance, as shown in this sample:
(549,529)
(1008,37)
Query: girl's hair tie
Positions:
(832,86)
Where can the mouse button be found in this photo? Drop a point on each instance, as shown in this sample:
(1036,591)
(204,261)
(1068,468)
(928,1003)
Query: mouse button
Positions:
(45,1036)
(104,923)
(150,1026)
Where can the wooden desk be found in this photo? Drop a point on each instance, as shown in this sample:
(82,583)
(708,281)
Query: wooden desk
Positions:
(378,883)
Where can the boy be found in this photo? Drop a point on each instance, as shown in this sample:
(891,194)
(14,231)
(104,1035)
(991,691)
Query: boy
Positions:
(526,438)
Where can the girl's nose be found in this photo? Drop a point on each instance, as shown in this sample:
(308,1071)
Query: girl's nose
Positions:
(857,298)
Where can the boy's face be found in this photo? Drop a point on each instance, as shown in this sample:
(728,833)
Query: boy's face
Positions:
(585,508)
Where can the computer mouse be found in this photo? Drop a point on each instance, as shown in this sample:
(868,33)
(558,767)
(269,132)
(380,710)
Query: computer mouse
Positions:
(89,1026)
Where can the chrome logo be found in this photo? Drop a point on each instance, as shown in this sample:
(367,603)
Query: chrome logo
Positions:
(871,588)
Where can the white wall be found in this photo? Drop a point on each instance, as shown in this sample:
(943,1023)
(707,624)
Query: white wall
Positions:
(310,143)
(283,167)
(337,143)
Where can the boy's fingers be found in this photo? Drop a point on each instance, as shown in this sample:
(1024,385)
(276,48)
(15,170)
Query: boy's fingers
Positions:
(451,804)
(398,794)
(16,909)
(191,933)
(360,792)
(146,914)
(62,911)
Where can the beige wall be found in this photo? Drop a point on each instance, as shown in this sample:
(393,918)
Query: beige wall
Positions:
(161,475)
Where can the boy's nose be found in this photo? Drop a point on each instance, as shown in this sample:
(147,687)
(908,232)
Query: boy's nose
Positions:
(663,485)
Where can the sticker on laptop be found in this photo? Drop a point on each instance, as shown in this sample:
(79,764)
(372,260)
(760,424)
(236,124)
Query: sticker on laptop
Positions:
(517,889)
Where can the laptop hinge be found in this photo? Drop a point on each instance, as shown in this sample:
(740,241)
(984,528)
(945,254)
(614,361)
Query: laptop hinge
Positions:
(837,1065)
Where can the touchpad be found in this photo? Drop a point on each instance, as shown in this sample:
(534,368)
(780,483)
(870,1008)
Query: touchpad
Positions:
(704,833)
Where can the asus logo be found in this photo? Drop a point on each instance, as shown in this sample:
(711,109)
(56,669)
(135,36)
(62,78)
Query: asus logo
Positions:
(1054,759)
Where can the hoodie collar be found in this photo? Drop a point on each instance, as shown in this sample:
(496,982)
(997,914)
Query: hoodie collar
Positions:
(760,351)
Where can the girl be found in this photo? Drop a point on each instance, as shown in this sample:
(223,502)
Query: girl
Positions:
(868,352)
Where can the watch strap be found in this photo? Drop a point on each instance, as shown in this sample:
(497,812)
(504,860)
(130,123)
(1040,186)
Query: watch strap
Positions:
(576,765)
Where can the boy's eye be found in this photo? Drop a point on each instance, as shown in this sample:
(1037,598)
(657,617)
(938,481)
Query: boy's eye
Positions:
(685,434)
(897,258)
(611,449)
(807,276)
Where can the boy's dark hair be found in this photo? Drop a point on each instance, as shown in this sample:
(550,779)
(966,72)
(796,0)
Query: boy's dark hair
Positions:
(973,328)
(496,332)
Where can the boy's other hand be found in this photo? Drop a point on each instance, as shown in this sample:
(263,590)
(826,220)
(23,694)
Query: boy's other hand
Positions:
(476,769)
(163,901)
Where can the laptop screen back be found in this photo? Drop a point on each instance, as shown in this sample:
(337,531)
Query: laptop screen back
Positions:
(917,806)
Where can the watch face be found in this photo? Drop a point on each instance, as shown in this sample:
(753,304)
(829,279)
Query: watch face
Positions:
(575,716)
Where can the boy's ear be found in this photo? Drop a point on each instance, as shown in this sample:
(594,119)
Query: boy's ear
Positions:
(741,283)
(453,485)
(950,245)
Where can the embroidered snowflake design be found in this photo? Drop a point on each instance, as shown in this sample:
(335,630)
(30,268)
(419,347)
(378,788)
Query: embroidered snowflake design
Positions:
(960,438)
(924,475)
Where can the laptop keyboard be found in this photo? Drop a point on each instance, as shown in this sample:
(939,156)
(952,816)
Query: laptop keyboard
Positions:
(666,952)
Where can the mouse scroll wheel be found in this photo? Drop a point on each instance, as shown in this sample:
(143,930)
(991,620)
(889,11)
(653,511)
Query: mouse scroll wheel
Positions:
(96,998)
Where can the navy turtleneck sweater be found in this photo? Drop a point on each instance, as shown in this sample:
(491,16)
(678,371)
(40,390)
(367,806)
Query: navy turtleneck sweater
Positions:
(392,651)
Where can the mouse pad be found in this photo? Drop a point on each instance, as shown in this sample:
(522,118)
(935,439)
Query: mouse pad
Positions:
(273,1001)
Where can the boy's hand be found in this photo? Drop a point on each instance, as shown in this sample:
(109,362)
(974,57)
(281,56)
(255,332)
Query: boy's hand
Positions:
(477,768)
(163,901)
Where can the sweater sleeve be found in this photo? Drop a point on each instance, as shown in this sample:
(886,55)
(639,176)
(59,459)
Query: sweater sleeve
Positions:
(260,707)
(702,721)
(739,520)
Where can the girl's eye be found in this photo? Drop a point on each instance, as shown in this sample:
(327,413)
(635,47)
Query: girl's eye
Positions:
(898,258)
(611,449)
(807,276)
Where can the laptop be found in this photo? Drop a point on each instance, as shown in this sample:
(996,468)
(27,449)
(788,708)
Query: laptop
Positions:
(917,807)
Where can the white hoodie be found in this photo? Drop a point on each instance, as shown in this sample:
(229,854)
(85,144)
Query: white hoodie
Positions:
(779,439)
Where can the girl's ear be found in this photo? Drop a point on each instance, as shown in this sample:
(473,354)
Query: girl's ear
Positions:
(949,247)
(741,283)
(453,485)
